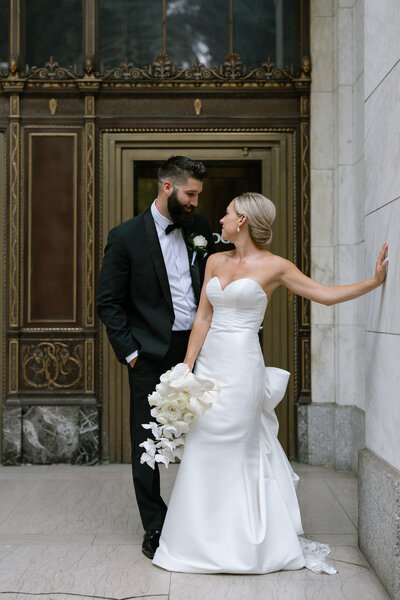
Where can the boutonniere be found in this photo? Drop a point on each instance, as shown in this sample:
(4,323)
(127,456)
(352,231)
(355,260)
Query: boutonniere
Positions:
(197,244)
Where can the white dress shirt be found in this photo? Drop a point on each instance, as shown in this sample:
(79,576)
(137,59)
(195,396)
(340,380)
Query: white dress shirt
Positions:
(174,251)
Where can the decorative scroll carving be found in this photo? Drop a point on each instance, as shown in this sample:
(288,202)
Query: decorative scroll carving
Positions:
(52,365)
(14,211)
(305,216)
(89,315)
(51,72)
(162,71)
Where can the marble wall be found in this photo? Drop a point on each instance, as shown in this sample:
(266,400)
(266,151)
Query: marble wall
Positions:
(355,185)
(382,223)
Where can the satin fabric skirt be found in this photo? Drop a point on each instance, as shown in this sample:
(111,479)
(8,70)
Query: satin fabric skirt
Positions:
(234,508)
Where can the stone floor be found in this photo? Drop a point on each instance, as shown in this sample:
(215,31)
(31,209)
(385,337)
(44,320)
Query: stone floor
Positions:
(73,533)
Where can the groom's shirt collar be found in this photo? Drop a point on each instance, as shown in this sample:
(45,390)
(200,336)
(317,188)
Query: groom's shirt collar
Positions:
(176,259)
(162,221)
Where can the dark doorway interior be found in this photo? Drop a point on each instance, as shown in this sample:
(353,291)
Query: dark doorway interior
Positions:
(225,180)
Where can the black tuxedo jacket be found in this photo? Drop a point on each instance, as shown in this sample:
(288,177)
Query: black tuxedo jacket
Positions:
(133,297)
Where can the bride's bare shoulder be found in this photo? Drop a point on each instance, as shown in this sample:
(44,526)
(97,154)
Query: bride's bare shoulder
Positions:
(217,259)
(275,262)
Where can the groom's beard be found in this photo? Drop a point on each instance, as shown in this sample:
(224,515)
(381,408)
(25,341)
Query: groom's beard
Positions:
(177,211)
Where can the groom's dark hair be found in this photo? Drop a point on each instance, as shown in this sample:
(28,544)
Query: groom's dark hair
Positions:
(178,169)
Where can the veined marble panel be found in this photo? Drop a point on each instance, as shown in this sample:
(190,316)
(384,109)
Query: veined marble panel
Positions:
(383,396)
(321,41)
(322,130)
(50,434)
(345,45)
(382,149)
(12,434)
(322,207)
(383,226)
(345,124)
(322,363)
(382,41)
(88,436)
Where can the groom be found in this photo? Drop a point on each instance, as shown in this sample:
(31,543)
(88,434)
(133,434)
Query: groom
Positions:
(149,289)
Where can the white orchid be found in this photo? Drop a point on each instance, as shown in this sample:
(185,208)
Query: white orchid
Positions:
(155,429)
(179,428)
(149,446)
(178,399)
(146,458)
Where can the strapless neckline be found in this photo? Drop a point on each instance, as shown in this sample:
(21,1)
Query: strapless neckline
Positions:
(236,280)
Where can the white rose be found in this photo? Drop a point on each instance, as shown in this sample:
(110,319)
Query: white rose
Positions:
(155,399)
(199,241)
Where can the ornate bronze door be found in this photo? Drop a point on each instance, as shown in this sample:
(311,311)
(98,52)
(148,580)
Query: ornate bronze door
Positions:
(236,162)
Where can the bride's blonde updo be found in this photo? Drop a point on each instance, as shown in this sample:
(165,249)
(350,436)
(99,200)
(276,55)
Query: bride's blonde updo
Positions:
(260,213)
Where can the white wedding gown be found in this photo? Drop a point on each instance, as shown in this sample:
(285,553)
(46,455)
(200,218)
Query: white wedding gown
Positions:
(234,507)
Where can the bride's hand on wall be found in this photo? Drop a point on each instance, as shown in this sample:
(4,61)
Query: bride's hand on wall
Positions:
(381,265)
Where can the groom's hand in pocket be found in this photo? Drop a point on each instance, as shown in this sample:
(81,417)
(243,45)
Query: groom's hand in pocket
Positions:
(132,362)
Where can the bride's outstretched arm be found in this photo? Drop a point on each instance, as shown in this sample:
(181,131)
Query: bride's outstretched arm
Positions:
(202,321)
(300,284)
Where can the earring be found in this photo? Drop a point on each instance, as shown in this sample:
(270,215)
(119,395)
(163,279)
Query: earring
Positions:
(238,229)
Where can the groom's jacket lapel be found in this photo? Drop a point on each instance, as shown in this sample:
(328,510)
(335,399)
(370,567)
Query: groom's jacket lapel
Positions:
(156,255)
(194,269)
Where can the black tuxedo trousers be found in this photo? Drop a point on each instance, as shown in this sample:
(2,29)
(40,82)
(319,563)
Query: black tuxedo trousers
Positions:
(135,304)
(143,378)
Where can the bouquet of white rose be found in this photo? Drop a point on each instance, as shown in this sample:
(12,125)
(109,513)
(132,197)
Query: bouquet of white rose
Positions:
(178,399)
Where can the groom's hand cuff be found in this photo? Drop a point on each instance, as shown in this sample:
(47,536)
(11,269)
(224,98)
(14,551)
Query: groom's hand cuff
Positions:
(131,356)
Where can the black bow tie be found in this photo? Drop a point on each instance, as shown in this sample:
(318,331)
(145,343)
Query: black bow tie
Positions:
(171,227)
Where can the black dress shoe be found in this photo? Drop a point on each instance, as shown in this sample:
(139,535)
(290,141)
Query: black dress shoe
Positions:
(150,542)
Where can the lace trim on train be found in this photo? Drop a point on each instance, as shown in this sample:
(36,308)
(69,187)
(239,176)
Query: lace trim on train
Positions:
(314,555)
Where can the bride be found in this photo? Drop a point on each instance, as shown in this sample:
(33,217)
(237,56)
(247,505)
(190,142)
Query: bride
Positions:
(234,508)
